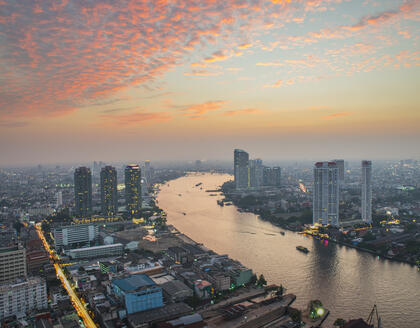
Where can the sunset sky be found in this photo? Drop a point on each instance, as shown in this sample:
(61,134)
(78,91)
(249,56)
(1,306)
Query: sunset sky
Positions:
(84,80)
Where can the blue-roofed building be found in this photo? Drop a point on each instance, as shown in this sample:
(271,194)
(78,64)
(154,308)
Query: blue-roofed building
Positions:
(138,292)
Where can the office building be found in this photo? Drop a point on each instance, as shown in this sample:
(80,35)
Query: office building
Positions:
(59,199)
(96,251)
(138,292)
(367,191)
(241,169)
(83,191)
(109,193)
(147,172)
(74,234)
(326,194)
(12,263)
(22,296)
(276,171)
(340,166)
(133,190)
(255,173)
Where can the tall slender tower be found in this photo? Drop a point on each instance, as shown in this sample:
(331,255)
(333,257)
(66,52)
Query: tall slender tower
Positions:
(83,191)
(241,168)
(340,166)
(326,193)
(255,173)
(367,191)
(109,194)
(133,190)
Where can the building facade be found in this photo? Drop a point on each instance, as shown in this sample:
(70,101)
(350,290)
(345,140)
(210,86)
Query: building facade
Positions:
(97,251)
(22,296)
(75,234)
(109,193)
(241,168)
(12,263)
(367,191)
(340,166)
(326,194)
(139,293)
(133,190)
(82,191)
(256,173)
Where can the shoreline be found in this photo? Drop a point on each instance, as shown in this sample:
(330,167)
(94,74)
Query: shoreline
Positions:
(361,249)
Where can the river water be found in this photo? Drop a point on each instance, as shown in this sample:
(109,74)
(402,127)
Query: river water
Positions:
(347,281)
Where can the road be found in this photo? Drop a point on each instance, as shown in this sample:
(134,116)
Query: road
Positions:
(80,309)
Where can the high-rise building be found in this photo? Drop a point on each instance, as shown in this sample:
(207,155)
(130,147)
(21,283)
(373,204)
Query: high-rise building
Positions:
(59,199)
(367,191)
(12,263)
(83,191)
(276,176)
(21,296)
(326,193)
(75,234)
(241,168)
(109,193)
(133,190)
(255,173)
(147,172)
(340,166)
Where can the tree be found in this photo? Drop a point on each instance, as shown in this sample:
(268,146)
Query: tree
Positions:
(295,314)
(340,322)
(261,281)
(280,291)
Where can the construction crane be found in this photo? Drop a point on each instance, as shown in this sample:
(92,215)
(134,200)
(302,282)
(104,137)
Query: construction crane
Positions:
(371,318)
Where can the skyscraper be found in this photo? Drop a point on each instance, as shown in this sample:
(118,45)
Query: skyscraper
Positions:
(109,194)
(277,176)
(367,191)
(326,193)
(340,166)
(241,168)
(83,191)
(133,190)
(255,173)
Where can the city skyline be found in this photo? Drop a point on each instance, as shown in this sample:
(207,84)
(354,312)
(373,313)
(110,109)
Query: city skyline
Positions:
(187,81)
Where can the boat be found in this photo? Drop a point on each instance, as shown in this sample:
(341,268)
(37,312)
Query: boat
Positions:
(184,213)
(282,232)
(302,249)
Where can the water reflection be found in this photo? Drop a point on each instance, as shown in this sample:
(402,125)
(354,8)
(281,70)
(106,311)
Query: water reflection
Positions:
(348,282)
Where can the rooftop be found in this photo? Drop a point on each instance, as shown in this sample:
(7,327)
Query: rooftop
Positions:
(134,282)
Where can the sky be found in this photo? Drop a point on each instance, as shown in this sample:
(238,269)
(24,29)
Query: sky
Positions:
(84,80)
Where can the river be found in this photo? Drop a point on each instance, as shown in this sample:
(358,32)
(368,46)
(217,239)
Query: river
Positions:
(347,281)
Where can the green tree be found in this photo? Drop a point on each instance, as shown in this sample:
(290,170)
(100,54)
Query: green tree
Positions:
(261,281)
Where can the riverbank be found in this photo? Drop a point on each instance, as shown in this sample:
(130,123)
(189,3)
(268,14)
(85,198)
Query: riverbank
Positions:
(301,222)
(348,282)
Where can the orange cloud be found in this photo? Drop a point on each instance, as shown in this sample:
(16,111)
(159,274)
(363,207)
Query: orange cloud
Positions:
(136,118)
(242,111)
(196,110)
(277,84)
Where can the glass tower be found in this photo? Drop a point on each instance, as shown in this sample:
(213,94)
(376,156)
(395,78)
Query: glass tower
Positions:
(133,190)
(83,191)
(109,194)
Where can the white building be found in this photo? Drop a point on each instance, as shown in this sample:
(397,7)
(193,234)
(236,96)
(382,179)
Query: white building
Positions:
(22,296)
(326,193)
(96,251)
(74,234)
(367,191)
(59,199)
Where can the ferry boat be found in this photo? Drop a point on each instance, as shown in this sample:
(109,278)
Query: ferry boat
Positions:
(302,249)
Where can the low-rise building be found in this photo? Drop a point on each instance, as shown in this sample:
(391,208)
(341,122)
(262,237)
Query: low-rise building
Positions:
(138,292)
(96,251)
(176,291)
